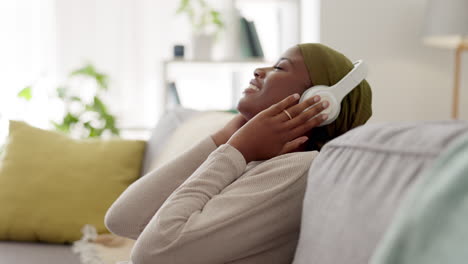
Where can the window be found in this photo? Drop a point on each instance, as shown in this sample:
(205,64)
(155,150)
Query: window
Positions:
(27,49)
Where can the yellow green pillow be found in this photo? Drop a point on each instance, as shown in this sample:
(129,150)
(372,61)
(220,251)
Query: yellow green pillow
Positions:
(52,185)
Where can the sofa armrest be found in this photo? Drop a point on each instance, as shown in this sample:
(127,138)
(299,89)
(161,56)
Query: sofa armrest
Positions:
(357,182)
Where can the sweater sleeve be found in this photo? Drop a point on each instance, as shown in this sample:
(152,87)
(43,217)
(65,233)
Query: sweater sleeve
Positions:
(135,207)
(201,222)
(178,222)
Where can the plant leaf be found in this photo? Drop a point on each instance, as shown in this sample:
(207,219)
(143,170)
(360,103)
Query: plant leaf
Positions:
(99,106)
(90,71)
(115,131)
(110,124)
(87,70)
(61,127)
(92,131)
(70,119)
(61,92)
(101,80)
(184,4)
(215,18)
(26,93)
(110,121)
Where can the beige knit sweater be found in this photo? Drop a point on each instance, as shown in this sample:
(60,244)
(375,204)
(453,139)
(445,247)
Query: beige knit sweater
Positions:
(209,206)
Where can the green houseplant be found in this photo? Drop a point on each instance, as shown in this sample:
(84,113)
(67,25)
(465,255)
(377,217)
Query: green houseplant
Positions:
(206,25)
(85,119)
(202,16)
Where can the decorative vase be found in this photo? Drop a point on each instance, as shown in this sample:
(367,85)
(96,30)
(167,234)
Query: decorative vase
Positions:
(202,46)
(230,41)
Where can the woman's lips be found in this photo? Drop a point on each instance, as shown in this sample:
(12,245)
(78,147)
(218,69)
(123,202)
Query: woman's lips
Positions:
(251,89)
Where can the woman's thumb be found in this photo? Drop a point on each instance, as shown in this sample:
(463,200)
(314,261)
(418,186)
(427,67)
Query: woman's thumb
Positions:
(294,144)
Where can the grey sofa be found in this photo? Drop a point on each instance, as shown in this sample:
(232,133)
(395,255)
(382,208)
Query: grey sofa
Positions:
(354,187)
(358,182)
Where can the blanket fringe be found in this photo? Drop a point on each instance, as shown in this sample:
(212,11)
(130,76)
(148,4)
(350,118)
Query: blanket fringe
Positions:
(86,249)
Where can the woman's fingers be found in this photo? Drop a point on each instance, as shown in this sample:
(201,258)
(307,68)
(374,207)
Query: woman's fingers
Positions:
(303,117)
(307,126)
(277,108)
(293,145)
(299,108)
(302,121)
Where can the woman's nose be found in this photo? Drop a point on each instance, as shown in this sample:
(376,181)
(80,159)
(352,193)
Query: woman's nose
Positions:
(259,73)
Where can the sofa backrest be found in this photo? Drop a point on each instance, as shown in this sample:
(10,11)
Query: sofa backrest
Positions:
(357,182)
(182,129)
(165,126)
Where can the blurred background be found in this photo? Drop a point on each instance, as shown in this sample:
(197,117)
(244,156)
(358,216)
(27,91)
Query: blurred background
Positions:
(127,61)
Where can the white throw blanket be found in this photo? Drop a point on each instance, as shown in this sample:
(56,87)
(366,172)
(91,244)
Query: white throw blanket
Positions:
(102,249)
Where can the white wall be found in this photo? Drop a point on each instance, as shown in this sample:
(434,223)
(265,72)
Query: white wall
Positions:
(310,21)
(410,81)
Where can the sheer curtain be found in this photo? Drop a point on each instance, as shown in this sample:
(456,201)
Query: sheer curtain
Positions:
(27,56)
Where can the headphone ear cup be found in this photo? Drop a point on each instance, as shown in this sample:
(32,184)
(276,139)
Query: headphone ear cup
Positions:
(311,92)
(333,109)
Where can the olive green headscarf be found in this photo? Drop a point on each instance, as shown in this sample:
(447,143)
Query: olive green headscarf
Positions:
(326,67)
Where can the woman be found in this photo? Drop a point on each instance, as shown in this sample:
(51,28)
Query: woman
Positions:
(236,196)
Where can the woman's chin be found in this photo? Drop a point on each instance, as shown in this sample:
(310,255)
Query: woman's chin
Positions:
(243,108)
(246,109)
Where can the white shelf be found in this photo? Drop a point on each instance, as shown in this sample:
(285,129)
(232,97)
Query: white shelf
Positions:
(185,61)
(232,67)
(263,1)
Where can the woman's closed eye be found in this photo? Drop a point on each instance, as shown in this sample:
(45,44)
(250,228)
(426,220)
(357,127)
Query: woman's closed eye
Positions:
(281,66)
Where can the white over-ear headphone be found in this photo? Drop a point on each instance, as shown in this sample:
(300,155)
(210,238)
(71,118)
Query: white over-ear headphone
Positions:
(335,94)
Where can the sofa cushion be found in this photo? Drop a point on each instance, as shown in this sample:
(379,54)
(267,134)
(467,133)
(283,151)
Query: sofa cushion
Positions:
(356,183)
(38,253)
(193,130)
(52,185)
(164,128)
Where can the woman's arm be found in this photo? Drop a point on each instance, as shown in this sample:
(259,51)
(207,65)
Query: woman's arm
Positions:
(212,218)
(131,212)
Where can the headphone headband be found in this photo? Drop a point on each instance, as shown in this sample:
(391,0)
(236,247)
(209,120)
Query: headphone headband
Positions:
(350,81)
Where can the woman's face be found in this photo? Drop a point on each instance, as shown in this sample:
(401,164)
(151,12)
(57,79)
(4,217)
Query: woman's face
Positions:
(288,76)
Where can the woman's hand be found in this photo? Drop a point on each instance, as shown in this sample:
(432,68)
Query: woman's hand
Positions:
(271,132)
(223,135)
